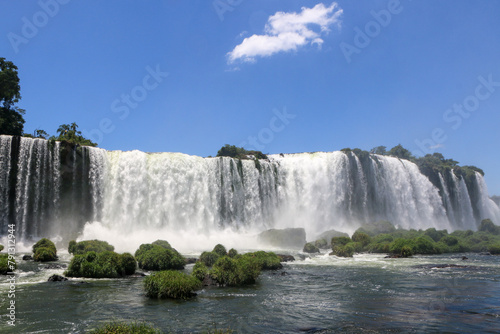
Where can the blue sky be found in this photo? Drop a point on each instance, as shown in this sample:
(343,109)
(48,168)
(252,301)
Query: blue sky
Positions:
(279,76)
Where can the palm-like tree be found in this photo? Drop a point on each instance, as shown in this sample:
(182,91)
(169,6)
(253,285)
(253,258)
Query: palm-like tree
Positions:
(63,129)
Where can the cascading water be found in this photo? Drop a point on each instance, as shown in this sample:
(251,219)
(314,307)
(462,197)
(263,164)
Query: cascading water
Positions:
(63,190)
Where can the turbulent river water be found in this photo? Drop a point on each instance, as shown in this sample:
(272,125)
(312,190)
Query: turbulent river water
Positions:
(322,294)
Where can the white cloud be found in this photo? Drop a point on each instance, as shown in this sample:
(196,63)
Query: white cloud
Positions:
(287,32)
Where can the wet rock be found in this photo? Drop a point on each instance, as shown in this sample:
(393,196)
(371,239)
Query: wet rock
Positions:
(464,258)
(310,248)
(190,260)
(55,266)
(27,258)
(485,253)
(285,258)
(57,278)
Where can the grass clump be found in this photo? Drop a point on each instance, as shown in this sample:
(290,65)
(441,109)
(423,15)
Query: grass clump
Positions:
(85,246)
(235,272)
(265,260)
(125,328)
(171,284)
(44,250)
(101,265)
(155,257)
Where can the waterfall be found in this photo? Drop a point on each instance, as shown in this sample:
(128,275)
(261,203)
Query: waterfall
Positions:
(5,166)
(487,208)
(56,189)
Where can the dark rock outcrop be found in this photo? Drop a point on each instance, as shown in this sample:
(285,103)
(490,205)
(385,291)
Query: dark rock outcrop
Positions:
(57,278)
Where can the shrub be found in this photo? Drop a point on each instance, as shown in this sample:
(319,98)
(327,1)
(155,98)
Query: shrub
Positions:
(434,234)
(128,263)
(85,246)
(343,251)
(235,272)
(397,245)
(209,258)
(361,237)
(101,265)
(200,271)
(44,250)
(45,243)
(219,250)
(162,243)
(340,241)
(321,243)
(494,249)
(125,328)
(487,225)
(310,248)
(232,253)
(449,240)
(44,254)
(154,257)
(1,248)
(406,251)
(425,245)
(265,260)
(4,264)
(171,284)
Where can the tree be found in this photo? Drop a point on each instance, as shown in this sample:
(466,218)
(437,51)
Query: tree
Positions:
(381,150)
(400,152)
(38,133)
(11,117)
(70,134)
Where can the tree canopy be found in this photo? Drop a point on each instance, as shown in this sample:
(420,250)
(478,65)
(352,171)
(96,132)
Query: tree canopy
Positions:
(239,152)
(11,117)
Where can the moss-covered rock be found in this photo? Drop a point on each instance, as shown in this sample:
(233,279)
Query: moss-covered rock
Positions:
(171,284)
(310,248)
(101,265)
(321,244)
(44,250)
(1,248)
(343,250)
(154,257)
(85,246)
(44,254)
